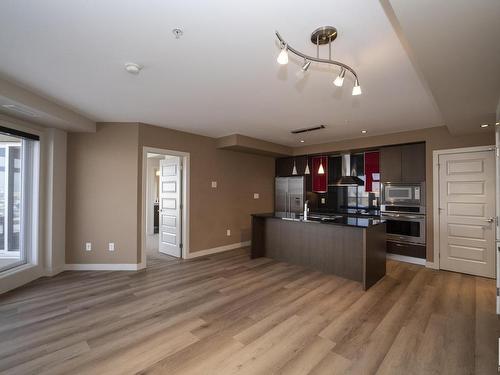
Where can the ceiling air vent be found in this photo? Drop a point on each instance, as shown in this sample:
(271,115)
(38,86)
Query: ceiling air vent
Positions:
(20,110)
(307,130)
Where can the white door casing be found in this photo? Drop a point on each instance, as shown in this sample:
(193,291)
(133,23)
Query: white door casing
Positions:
(170,206)
(467,212)
(497,162)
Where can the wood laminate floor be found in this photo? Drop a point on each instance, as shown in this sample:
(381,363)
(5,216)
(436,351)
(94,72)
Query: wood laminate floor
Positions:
(227,314)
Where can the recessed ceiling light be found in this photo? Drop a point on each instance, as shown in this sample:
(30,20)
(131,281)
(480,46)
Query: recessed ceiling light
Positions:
(364,131)
(133,68)
(484,125)
(301,141)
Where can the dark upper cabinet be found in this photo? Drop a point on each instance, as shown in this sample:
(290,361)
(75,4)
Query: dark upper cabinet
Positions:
(413,162)
(334,169)
(390,164)
(284,166)
(405,163)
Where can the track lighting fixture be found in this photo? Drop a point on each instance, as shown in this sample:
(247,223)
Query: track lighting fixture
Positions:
(356,90)
(321,170)
(306,65)
(320,36)
(283,56)
(339,81)
(307,171)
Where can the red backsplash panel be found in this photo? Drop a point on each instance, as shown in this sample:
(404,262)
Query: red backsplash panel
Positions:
(371,166)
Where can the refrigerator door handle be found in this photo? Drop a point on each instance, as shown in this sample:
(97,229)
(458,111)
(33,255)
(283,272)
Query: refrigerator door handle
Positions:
(287,211)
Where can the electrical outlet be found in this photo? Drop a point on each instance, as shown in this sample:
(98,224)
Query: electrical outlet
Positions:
(228,232)
(88,246)
(256,196)
(214,184)
(111,246)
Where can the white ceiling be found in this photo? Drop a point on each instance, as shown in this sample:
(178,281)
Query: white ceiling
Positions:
(221,77)
(455,44)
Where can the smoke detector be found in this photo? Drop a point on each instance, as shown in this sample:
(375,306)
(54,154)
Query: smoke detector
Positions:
(133,68)
(177,33)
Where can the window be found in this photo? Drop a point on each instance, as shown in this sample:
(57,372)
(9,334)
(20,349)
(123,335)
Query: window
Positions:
(357,197)
(17,186)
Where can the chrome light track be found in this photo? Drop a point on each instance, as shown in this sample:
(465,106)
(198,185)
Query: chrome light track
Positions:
(322,35)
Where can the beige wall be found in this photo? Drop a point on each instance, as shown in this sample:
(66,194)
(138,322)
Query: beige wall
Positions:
(238,176)
(105,185)
(102,177)
(104,191)
(435,138)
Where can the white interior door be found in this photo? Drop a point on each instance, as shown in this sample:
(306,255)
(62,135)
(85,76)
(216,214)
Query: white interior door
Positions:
(467,212)
(170,206)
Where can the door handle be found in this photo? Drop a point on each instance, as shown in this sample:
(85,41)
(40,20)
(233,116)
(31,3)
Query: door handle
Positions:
(490,220)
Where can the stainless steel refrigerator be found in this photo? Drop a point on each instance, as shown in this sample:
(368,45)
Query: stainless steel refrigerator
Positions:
(289,196)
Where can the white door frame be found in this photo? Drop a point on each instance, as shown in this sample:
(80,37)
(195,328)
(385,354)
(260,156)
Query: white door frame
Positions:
(185,199)
(435,193)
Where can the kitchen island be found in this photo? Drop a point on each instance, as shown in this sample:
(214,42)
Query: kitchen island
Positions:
(346,246)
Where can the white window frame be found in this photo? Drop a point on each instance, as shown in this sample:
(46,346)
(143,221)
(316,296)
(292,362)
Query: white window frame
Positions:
(14,277)
(5,253)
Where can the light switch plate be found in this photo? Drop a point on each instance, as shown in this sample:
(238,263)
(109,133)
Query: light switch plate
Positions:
(111,246)
(256,196)
(214,184)
(88,246)
(228,232)
(323,200)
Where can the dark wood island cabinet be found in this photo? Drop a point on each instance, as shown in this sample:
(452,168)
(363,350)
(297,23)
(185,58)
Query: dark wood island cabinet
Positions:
(353,248)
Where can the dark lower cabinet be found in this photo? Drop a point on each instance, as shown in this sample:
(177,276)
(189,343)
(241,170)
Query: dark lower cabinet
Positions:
(156,218)
(354,253)
(406,249)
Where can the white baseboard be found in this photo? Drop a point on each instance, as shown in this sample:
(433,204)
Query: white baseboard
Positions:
(219,249)
(404,258)
(104,267)
(432,265)
(50,272)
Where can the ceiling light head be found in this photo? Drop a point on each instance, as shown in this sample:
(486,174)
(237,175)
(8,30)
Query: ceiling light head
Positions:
(321,170)
(133,68)
(306,65)
(283,56)
(364,131)
(484,125)
(339,81)
(356,90)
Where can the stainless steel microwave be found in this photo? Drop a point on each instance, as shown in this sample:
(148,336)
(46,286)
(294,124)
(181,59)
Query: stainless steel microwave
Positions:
(403,194)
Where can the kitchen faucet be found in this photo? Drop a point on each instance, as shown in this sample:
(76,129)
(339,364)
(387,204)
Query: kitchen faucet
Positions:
(306,209)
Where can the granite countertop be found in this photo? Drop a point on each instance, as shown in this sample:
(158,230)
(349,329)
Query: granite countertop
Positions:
(342,220)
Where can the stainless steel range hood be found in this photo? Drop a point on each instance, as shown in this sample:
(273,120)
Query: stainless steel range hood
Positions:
(346,179)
